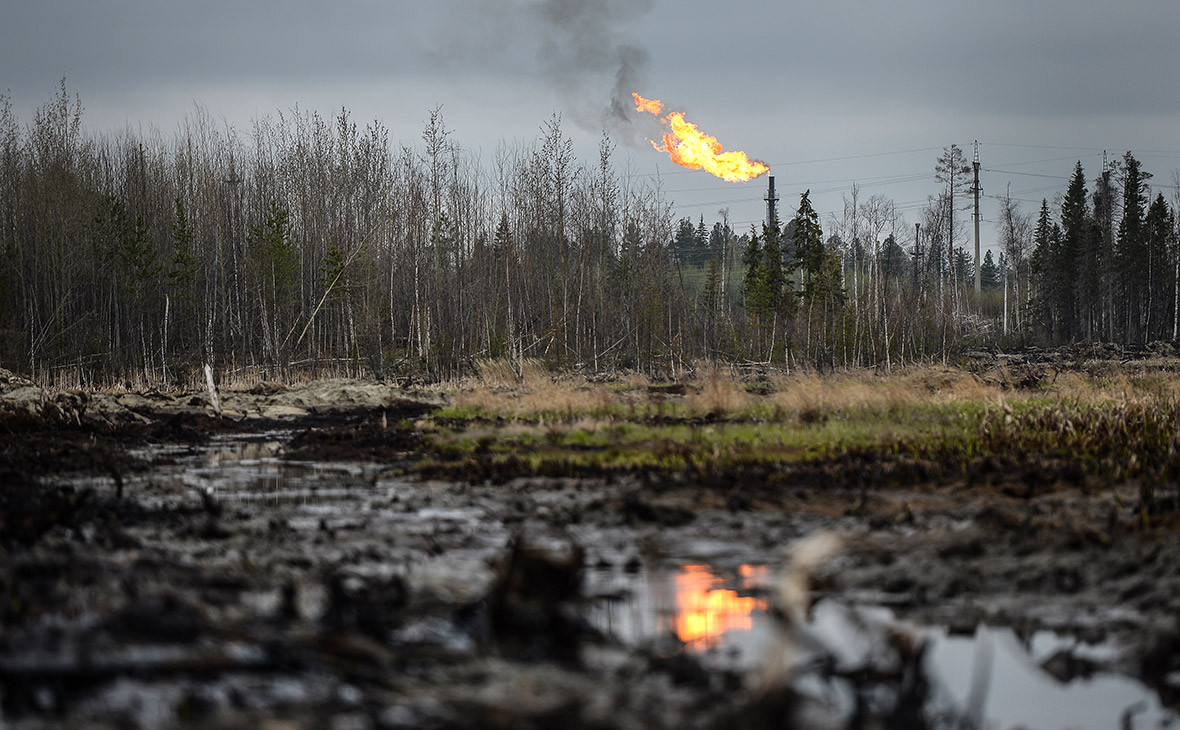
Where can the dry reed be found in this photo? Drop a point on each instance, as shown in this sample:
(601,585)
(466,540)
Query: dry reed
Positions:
(531,391)
(718,390)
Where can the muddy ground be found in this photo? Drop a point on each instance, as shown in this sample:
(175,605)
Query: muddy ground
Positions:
(282,565)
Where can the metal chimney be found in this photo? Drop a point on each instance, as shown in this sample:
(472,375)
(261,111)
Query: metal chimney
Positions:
(771,199)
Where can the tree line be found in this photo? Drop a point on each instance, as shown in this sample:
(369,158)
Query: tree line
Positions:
(1107,266)
(320,245)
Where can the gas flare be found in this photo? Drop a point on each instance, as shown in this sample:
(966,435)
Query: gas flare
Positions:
(651,106)
(690,147)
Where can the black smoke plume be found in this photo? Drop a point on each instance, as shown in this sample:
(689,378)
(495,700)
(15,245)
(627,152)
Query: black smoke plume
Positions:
(590,57)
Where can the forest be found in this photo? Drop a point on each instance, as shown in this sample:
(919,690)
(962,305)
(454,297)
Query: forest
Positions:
(318,245)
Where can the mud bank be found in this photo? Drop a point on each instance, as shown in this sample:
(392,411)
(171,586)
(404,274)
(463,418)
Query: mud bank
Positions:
(163,567)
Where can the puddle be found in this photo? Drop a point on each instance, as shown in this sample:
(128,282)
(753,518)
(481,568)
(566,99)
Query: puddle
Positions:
(718,612)
(1015,688)
(252,470)
(992,679)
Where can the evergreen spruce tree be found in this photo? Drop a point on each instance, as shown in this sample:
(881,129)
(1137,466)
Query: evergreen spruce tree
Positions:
(1160,231)
(964,271)
(1074,304)
(184,265)
(894,259)
(700,244)
(990,273)
(277,263)
(684,244)
(1131,252)
(332,275)
(808,240)
(764,286)
(1043,295)
(752,261)
(823,289)
(774,278)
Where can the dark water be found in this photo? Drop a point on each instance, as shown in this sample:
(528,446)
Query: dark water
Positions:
(999,679)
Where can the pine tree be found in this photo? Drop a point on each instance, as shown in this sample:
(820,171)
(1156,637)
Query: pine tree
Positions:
(989,272)
(184,265)
(1131,252)
(1160,233)
(964,271)
(1075,303)
(1104,237)
(764,286)
(894,259)
(700,243)
(823,288)
(1042,295)
(752,261)
(717,239)
(808,242)
(277,263)
(332,274)
(684,244)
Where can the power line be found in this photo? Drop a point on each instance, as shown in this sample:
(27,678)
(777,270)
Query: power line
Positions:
(857,157)
(1037,162)
(1029,174)
(860,181)
(1041,146)
(802,162)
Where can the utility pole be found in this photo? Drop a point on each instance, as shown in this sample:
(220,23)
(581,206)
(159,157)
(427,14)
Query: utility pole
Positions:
(1007,214)
(917,259)
(975,190)
(1107,251)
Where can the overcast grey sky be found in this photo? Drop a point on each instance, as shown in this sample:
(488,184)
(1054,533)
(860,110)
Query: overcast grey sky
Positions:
(826,92)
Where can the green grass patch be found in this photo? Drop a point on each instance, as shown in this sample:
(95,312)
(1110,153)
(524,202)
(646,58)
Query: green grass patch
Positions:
(940,423)
(667,441)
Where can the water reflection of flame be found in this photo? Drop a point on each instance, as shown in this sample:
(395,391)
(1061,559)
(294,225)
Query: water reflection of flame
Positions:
(705,610)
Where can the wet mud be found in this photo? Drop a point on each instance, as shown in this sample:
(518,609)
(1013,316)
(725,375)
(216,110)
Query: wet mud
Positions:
(288,566)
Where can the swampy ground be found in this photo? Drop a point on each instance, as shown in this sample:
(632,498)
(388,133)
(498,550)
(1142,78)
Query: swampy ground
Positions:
(730,548)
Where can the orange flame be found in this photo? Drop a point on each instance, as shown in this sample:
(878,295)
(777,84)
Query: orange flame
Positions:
(705,611)
(651,106)
(690,147)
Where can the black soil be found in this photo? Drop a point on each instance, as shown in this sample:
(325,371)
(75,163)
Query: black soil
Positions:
(358,591)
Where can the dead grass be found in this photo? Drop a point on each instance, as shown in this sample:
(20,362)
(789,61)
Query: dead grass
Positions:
(805,393)
(496,373)
(717,390)
(634,380)
(1117,388)
(534,393)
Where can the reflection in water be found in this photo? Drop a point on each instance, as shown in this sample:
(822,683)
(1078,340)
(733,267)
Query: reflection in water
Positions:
(723,616)
(252,469)
(1021,693)
(705,610)
(701,607)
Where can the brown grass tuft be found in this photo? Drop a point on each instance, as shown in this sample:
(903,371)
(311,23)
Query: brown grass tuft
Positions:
(809,393)
(496,373)
(535,393)
(718,390)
